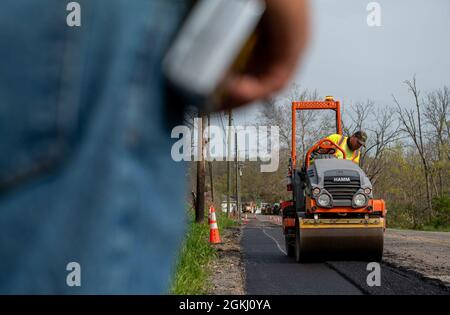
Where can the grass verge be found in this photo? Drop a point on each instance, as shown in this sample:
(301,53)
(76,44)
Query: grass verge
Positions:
(432,228)
(192,273)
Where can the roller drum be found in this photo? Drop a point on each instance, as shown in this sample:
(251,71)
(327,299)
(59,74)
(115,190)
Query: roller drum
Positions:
(320,244)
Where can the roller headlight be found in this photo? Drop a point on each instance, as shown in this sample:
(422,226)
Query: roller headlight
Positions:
(359,200)
(324,200)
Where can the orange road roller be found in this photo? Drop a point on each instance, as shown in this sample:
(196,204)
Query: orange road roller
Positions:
(333,214)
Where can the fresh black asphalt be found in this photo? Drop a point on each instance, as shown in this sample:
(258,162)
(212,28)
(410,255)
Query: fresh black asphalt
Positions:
(270,271)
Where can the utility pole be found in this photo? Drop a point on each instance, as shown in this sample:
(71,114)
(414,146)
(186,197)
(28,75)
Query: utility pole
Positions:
(200,204)
(237,175)
(230,113)
(210,166)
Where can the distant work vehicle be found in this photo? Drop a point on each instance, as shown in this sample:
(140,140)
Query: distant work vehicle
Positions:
(333,214)
(266,209)
(276,209)
(247,208)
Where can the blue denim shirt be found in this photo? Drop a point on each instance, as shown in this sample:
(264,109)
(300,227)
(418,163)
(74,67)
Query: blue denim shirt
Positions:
(86,174)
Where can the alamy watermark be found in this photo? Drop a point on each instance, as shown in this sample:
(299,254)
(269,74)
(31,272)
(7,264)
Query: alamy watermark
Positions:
(374,17)
(374,277)
(253,143)
(74,16)
(73,278)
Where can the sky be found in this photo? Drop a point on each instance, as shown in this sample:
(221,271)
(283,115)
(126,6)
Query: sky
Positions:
(354,62)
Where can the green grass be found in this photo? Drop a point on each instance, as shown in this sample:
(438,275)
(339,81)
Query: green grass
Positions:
(409,217)
(192,273)
(432,228)
(426,228)
(224,222)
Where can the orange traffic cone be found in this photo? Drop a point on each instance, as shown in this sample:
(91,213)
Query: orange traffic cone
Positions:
(214,237)
(209,215)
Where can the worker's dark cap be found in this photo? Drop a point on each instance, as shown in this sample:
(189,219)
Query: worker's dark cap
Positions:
(361,136)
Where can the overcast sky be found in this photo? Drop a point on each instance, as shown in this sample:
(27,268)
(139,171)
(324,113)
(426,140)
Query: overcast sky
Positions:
(353,62)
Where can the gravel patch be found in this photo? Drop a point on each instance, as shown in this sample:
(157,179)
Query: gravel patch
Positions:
(227,270)
(427,253)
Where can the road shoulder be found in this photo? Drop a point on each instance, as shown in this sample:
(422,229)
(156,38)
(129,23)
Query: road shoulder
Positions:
(425,253)
(227,276)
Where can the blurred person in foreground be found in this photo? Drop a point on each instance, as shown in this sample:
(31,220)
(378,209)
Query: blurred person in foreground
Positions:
(86,173)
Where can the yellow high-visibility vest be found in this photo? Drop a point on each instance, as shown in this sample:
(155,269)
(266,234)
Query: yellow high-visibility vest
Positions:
(341,141)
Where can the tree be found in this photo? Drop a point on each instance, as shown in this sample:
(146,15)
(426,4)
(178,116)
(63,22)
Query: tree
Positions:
(437,111)
(278,112)
(384,132)
(412,122)
(382,129)
(359,114)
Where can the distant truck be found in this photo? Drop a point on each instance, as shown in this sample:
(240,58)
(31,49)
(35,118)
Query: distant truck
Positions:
(265,208)
(247,208)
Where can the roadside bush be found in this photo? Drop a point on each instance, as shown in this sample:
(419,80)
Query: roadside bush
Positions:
(441,209)
(412,216)
(404,216)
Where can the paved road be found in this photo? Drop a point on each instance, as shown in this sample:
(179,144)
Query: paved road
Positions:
(270,271)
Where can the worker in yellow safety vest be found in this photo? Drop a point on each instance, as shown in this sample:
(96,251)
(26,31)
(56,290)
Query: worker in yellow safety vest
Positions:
(350,145)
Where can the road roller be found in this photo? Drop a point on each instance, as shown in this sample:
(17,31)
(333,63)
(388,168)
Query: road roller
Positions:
(333,214)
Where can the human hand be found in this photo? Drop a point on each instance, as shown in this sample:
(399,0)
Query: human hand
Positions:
(282,37)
